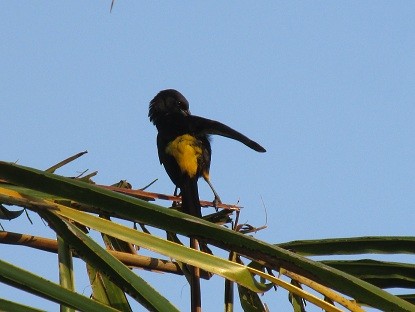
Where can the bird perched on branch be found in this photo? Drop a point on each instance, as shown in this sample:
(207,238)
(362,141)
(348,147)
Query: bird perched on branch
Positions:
(183,145)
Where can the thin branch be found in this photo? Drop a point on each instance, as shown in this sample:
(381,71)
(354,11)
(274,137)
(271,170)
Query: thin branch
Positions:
(65,161)
(195,292)
(51,245)
(323,290)
(152,196)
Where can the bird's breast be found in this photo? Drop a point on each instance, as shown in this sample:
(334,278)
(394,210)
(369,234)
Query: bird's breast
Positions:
(187,151)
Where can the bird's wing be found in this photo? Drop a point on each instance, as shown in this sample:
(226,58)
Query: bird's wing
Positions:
(207,126)
(160,148)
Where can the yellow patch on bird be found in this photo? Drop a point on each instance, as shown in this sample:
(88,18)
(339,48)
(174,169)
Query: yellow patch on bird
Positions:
(186,150)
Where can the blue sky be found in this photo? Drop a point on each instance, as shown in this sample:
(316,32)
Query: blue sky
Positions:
(327,87)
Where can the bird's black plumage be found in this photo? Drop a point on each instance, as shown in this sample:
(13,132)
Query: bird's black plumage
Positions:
(183,144)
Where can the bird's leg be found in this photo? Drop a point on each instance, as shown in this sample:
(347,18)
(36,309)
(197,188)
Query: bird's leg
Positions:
(216,200)
(175,203)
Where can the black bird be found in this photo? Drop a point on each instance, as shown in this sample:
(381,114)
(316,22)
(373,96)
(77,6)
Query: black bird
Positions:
(183,144)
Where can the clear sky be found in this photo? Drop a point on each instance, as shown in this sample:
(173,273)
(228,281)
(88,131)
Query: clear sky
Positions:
(327,87)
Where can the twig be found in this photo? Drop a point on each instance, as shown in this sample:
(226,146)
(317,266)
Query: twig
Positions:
(195,295)
(152,196)
(323,290)
(148,185)
(51,245)
(65,161)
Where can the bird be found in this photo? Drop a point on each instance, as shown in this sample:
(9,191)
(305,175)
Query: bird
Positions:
(184,150)
(183,144)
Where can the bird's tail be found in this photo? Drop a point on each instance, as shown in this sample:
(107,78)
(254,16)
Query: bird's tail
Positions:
(190,198)
(191,205)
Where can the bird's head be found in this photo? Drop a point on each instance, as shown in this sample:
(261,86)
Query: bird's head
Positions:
(168,102)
